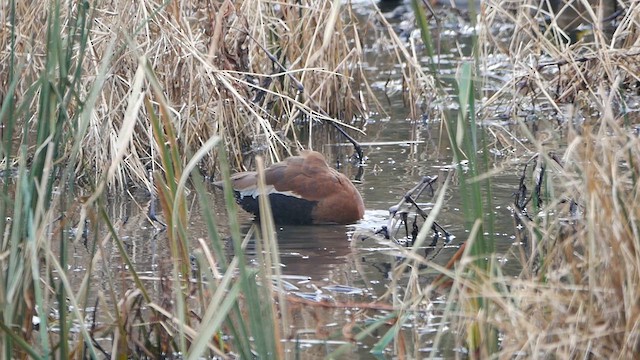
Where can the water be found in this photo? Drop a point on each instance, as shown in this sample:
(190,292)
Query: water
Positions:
(317,258)
(339,264)
(347,265)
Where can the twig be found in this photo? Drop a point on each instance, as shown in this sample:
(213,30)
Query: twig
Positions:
(410,197)
(578,60)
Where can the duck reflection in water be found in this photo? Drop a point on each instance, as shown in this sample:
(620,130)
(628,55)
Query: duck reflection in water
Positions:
(315,252)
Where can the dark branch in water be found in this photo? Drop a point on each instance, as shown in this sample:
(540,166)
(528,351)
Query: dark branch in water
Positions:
(92,331)
(401,211)
(523,221)
(424,215)
(579,60)
(356,145)
(538,187)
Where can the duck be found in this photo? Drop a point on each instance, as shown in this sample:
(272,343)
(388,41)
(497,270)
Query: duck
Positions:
(303,190)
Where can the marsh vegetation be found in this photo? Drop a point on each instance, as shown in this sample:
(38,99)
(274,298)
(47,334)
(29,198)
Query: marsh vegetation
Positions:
(529,110)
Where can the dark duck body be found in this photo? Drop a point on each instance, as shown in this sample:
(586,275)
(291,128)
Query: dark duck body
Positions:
(302,190)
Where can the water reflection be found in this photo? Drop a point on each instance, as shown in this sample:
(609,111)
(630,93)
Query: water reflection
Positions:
(311,251)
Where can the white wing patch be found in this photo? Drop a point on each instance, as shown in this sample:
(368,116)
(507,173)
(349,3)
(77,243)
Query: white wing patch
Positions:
(254,192)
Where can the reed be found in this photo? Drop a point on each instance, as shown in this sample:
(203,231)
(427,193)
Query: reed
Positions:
(570,216)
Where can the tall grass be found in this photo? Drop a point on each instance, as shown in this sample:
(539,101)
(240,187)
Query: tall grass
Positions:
(576,222)
(30,229)
(577,219)
(152,94)
(216,64)
(575,210)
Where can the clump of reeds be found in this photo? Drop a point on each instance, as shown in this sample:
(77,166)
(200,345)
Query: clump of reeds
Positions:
(575,213)
(577,295)
(562,51)
(217,66)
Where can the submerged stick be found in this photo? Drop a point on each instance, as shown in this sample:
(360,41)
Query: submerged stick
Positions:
(410,197)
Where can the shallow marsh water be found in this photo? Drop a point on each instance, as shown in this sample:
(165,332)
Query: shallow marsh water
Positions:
(329,262)
(317,259)
(334,263)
